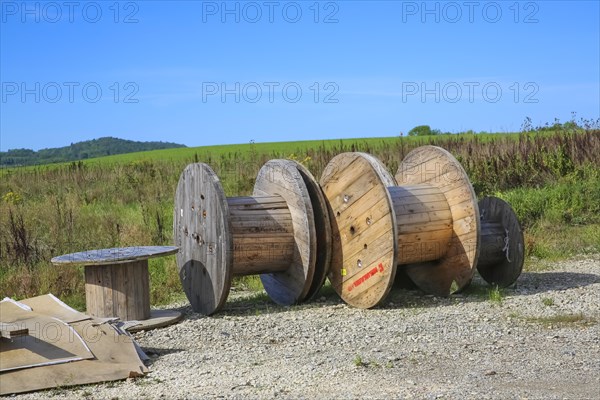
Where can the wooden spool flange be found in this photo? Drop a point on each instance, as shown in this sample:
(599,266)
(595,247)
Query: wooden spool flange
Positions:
(502,244)
(448,244)
(363,224)
(429,225)
(281,233)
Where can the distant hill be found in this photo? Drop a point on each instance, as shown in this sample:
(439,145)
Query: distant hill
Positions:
(105,146)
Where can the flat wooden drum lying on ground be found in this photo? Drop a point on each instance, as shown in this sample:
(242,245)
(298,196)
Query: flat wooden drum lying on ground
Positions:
(117,284)
(502,245)
(429,224)
(282,233)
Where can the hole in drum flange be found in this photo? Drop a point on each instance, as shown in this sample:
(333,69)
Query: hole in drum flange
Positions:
(352,230)
(202,196)
(338,214)
(359,263)
(365,246)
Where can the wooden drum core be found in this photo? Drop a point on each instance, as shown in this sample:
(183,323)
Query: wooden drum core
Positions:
(424,223)
(263,234)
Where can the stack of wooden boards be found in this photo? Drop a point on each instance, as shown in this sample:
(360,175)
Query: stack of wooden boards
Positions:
(45,343)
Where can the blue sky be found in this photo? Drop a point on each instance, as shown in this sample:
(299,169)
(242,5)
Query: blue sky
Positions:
(205,72)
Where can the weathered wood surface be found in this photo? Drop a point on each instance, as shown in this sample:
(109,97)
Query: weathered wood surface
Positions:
(263,234)
(424,223)
(364,229)
(202,230)
(122,292)
(273,233)
(502,244)
(114,256)
(282,178)
(322,228)
(158,319)
(436,167)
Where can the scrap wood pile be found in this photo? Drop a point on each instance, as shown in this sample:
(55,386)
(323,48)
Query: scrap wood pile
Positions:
(45,343)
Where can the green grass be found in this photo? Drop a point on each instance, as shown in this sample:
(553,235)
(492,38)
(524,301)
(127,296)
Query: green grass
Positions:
(495,295)
(552,179)
(563,320)
(547,301)
(358,361)
(276,148)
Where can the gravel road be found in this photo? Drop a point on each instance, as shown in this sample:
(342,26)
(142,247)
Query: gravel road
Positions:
(541,340)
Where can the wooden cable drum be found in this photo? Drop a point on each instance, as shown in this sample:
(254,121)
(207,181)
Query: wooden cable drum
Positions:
(502,246)
(363,223)
(429,224)
(438,221)
(273,233)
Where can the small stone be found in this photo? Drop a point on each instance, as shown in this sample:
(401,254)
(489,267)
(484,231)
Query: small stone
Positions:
(490,372)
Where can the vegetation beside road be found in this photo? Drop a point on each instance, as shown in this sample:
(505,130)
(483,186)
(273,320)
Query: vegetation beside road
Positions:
(550,176)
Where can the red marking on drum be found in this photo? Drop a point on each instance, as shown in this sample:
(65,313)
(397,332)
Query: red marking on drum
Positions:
(366,276)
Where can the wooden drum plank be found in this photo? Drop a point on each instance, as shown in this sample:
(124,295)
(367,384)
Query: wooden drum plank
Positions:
(202,230)
(263,240)
(438,168)
(363,228)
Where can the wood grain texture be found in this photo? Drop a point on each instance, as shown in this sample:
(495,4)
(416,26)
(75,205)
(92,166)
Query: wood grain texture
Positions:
(322,228)
(158,319)
(424,222)
(202,230)
(498,221)
(437,168)
(114,256)
(263,234)
(282,178)
(364,230)
(122,292)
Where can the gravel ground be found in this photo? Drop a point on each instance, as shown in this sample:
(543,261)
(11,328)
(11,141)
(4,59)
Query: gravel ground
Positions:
(540,341)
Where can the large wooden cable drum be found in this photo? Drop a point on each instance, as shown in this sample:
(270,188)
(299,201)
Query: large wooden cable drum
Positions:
(428,224)
(273,233)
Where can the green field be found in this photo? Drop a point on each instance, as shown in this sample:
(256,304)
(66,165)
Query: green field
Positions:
(282,149)
(551,177)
